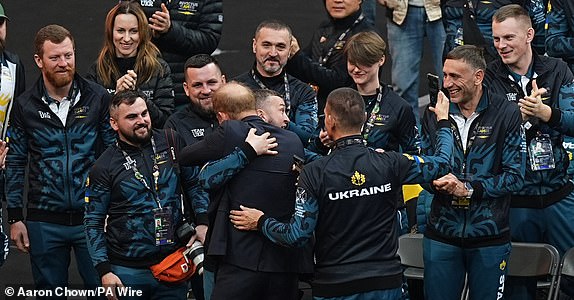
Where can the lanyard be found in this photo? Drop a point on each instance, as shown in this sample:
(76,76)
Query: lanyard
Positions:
(323,60)
(287,97)
(471,138)
(371,122)
(346,142)
(138,175)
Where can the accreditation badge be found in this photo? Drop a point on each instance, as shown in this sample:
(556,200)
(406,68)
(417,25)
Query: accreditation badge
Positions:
(164,234)
(460,202)
(540,153)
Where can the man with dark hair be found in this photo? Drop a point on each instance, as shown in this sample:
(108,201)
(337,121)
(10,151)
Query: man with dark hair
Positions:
(12,84)
(248,266)
(348,202)
(467,231)
(55,127)
(203,77)
(543,210)
(271,46)
(182,29)
(135,188)
(271,108)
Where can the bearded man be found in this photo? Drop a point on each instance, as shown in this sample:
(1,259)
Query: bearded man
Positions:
(55,129)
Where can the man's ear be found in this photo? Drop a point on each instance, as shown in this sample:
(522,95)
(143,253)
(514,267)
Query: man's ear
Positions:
(530,35)
(185,89)
(221,116)
(114,124)
(478,77)
(38,61)
(261,114)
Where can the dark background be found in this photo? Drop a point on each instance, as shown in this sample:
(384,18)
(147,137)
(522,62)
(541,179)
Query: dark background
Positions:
(85,19)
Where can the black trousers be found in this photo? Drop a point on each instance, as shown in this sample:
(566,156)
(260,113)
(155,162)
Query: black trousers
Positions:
(232,282)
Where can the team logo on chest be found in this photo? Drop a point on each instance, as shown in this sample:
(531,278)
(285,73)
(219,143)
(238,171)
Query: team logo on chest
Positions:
(511,97)
(483,132)
(81,112)
(358,178)
(198,132)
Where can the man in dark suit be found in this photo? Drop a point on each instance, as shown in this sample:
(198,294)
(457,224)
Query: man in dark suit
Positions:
(248,265)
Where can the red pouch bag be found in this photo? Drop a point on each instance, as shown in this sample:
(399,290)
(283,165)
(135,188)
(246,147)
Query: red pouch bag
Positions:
(175,268)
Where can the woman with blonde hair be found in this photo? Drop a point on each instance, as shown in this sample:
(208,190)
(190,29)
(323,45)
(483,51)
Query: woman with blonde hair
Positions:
(129,60)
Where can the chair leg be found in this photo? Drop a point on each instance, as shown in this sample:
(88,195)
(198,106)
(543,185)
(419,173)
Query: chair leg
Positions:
(465,293)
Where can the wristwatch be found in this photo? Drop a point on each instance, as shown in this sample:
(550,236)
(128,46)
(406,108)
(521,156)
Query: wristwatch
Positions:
(469,188)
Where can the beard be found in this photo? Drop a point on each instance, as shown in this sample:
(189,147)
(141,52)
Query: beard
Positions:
(272,69)
(137,139)
(59,81)
(205,112)
(2,44)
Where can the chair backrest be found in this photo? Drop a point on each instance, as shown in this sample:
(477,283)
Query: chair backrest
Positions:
(411,250)
(533,260)
(568,263)
(566,268)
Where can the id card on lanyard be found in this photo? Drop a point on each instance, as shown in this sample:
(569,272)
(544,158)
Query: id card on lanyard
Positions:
(162,216)
(540,153)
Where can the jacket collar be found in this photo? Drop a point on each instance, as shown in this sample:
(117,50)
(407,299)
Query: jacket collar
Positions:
(482,103)
(344,23)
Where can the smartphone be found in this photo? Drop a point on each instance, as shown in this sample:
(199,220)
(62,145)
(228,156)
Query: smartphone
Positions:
(321,119)
(433,83)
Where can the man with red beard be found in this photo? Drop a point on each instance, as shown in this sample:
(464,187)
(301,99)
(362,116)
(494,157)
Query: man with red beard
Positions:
(12,84)
(54,129)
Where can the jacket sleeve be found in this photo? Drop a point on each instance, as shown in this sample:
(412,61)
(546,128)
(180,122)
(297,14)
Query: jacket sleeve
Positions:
(98,195)
(560,34)
(300,228)
(304,118)
(562,118)
(302,66)
(426,168)
(203,39)
(216,173)
(428,130)
(16,161)
(210,148)
(408,133)
(162,104)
